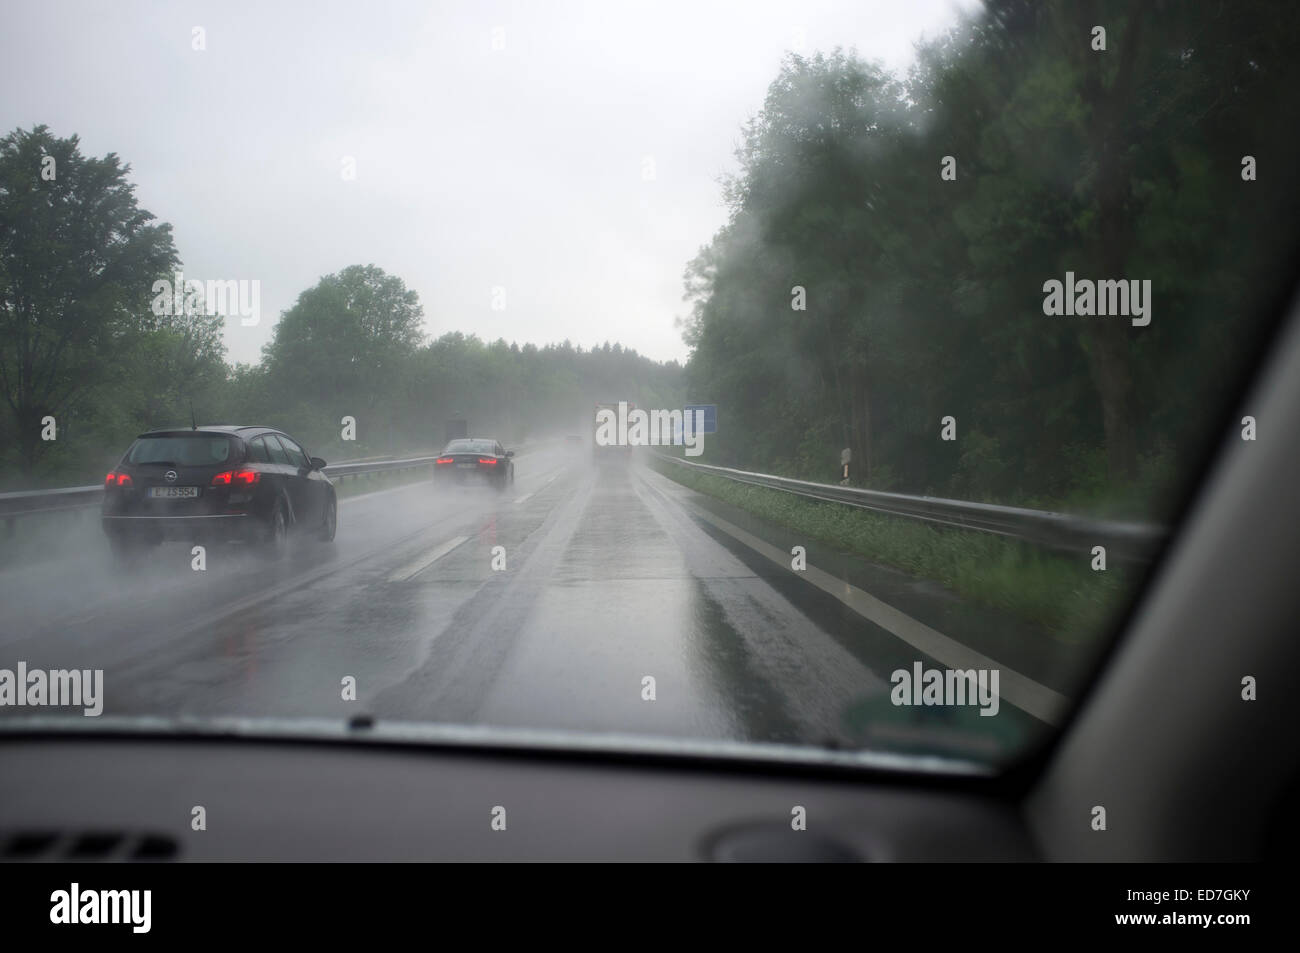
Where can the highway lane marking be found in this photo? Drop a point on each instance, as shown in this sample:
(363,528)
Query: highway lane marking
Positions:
(520,499)
(294,583)
(426,560)
(1038,700)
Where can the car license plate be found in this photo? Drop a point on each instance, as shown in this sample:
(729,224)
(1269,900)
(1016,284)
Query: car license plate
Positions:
(173,492)
(468,466)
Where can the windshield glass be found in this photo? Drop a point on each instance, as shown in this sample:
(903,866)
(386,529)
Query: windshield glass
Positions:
(185,451)
(471,446)
(855,360)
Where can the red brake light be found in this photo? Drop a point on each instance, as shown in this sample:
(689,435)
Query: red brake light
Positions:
(236,478)
(490,461)
(117,479)
(441,460)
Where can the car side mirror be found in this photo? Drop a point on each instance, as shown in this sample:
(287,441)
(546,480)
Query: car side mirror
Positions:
(510,453)
(317,463)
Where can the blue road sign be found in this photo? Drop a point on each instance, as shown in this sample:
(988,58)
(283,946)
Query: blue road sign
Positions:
(710,418)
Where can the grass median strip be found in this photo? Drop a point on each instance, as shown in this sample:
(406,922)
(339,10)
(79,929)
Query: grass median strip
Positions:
(1058,591)
(1038,700)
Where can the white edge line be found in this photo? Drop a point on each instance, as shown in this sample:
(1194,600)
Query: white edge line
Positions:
(1038,700)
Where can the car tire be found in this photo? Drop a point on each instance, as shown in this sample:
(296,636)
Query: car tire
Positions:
(329,521)
(277,531)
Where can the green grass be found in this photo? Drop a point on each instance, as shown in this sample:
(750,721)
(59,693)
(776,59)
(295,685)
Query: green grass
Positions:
(1059,592)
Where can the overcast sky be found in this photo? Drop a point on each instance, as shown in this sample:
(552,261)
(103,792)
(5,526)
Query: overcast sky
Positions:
(476,168)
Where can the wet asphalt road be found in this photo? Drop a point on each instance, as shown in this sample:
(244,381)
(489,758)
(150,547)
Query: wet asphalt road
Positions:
(610,577)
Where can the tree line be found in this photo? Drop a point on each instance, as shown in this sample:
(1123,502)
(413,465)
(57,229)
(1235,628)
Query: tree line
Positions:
(882,271)
(82,344)
(919,216)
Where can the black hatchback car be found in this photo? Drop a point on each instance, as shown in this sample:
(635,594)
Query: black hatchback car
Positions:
(475,459)
(250,484)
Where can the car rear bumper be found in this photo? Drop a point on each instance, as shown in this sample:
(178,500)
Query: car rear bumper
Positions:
(466,476)
(620,454)
(213,526)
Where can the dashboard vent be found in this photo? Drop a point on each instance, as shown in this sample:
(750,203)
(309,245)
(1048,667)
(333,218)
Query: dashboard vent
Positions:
(776,843)
(46,846)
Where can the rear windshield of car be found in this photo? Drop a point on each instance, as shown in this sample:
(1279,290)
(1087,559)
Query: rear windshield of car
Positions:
(187,450)
(471,446)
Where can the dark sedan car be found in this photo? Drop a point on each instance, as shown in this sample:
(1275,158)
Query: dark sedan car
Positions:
(475,459)
(251,484)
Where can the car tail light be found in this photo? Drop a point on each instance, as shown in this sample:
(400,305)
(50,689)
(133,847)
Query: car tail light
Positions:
(442,460)
(118,479)
(488,460)
(236,478)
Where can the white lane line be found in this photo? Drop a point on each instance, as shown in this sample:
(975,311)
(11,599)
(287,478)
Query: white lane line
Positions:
(427,560)
(538,490)
(1023,692)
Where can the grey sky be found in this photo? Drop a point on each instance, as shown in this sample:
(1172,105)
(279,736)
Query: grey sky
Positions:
(475,168)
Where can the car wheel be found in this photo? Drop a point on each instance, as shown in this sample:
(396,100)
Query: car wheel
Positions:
(330,520)
(277,531)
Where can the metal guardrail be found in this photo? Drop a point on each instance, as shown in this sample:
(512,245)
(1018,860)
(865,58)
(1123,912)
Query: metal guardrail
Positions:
(28,502)
(63,499)
(379,466)
(1123,541)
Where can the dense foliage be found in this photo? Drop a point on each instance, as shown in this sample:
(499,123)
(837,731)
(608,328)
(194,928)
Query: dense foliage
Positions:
(80,342)
(924,293)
